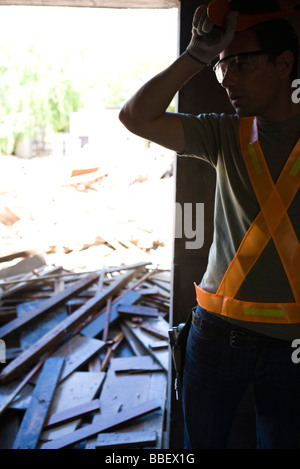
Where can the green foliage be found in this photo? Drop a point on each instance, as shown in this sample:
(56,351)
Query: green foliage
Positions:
(40,86)
(36,90)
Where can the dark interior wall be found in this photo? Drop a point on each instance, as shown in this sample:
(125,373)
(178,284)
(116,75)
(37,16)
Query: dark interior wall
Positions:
(195,180)
(195,183)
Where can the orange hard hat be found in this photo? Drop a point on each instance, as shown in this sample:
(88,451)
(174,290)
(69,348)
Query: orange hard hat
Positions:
(251,12)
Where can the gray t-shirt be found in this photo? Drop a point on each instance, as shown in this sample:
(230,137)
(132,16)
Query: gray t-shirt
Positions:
(215,138)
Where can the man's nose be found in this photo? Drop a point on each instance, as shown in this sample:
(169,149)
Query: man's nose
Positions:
(229,79)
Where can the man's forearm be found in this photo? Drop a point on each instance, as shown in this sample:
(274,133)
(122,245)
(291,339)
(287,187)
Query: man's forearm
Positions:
(152,100)
(145,113)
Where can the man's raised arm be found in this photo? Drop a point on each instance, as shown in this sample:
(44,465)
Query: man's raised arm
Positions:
(145,113)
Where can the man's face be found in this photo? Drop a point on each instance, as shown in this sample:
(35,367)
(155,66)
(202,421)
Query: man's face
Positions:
(252,93)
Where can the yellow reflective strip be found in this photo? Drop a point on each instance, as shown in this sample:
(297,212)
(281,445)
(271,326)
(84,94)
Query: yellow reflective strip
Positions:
(263,312)
(296,167)
(254,158)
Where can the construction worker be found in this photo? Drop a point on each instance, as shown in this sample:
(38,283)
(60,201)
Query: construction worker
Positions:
(248,303)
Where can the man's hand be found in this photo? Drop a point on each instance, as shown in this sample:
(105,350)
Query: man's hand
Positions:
(208,40)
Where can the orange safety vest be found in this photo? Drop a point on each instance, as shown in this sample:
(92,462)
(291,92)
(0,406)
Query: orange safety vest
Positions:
(272,221)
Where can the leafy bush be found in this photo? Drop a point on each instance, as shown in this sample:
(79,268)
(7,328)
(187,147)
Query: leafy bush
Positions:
(36,90)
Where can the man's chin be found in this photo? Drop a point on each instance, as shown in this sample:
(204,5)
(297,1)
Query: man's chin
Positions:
(242,112)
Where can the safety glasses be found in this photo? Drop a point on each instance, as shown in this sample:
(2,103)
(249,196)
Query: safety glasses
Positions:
(239,64)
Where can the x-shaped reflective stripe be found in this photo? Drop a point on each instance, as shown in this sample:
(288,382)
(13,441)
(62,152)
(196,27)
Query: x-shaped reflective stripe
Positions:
(272,221)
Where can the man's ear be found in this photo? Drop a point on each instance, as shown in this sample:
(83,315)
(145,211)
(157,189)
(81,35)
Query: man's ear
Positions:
(284,63)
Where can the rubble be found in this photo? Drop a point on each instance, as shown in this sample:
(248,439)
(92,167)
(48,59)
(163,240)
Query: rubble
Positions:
(84,301)
(100,327)
(107,327)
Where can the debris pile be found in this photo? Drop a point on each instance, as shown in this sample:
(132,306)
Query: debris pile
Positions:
(84,296)
(95,214)
(84,355)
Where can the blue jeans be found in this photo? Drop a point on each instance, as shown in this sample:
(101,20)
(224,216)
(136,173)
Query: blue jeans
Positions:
(215,379)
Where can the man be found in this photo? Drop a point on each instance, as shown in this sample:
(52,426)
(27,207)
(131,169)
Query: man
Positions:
(248,309)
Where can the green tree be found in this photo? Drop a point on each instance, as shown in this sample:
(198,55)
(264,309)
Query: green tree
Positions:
(41,85)
(36,90)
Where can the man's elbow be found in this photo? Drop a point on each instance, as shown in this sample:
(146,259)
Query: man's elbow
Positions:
(129,121)
(123,116)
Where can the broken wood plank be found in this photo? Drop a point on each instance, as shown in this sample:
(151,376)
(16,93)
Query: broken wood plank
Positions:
(24,266)
(73,304)
(141,364)
(34,418)
(163,275)
(30,333)
(79,388)
(78,172)
(33,277)
(103,424)
(136,439)
(123,391)
(7,216)
(9,399)
(47,305)
(127,267)
(94,328)
(107,318)
(133,343)
(116,342)
(7,314)
(53,337)
(154,331)
(69,275)
(161,284)
(137,310)
(77,351)
(94,364)
(148,291)
(22,400)
(72,413)
(159,346)
(147,340)
(13,255)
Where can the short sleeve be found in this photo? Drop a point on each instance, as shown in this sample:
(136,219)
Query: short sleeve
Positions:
(207,135)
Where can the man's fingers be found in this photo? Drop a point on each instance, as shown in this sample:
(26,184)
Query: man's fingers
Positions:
(199,18)
(207,25)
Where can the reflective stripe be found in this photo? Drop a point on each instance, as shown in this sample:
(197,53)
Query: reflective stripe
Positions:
(233,308)
(273,208)
(296,167)
(264,312)
(272,221)
(254,159)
